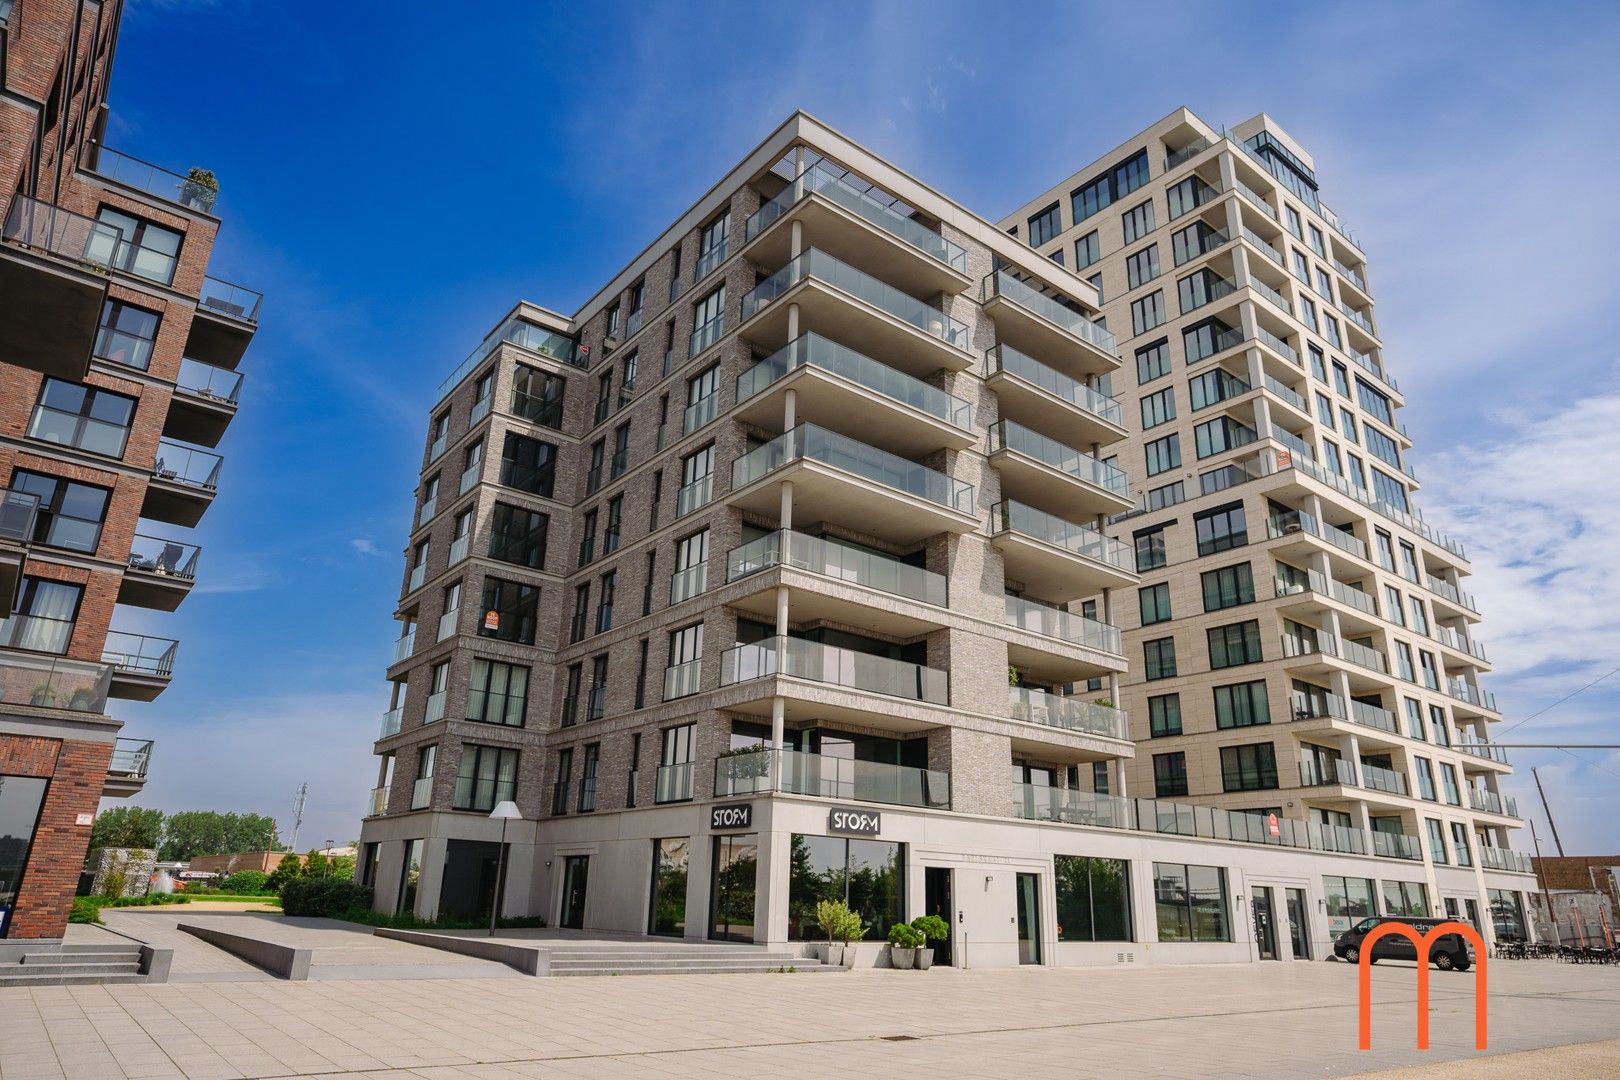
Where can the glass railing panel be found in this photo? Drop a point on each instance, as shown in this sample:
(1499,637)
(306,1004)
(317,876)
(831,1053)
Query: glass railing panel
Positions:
(208,381)
(404,646)
(682,680)
(41,226)
(835,189)
(694,495)
(808,442)
(1264,245)
(1009,516)
(379,801)
(861,285)
(1066,626)
(1040,802)
(130,757)
(1006,435)
(1003,284)
(391,721)
(166,558)
(850,780)
(18,513)
(685,584)
(673,783)
(815,351)
(155,180)
(1381,779)
(233,301)
(1277,344)
(181,464)
(140,654)
(800,659)
(1068,713)
(700,412)
(1013,362)
(840,562)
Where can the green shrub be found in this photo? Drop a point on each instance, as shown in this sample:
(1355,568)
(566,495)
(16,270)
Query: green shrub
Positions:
(245,883)
(149,900)
(838,922)
(327,897)
(904,936)
(84,910)
(289,869)
(932,927)
(407,921)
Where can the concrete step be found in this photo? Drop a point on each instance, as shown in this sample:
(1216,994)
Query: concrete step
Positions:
(85,950)
(75,967)
(9,980)
(693,964)
(697,952)
(76,956)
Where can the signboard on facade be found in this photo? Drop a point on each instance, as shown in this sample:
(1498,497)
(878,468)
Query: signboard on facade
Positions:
(847,819)
(492,620)
(731,816)
(1271,825)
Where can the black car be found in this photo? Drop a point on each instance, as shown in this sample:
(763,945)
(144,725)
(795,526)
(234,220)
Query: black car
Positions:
(1450,952)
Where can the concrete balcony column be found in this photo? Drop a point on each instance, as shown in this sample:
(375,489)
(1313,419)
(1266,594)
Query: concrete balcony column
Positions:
(1350,749)
(1262,413)
(796,244)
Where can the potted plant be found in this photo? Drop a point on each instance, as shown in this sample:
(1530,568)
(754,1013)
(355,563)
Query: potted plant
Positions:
(905,941)
(849,928)
(199,190)
(829,916)
(932,928)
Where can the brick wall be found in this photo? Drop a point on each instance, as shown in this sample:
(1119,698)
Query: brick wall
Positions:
(76,771)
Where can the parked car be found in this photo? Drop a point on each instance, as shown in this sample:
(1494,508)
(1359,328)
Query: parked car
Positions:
(1450,952)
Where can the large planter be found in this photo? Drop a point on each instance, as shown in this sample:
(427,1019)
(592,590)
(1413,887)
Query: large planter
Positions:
(901,958)
(830,954)
(925,958)
(848,955)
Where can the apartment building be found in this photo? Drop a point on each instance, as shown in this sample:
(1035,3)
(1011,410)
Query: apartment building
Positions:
(1303,643)
(118,379)
(781,571)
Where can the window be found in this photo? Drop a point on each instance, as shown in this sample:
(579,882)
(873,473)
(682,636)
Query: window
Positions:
(1242,705)
(537,396)
(1375,402)
(1093,898)
(70,515)
(582,607)
(1045,225)
(1431,675)
(713,242)
(1220,529)
(497,693)
(1196,239)
(1163,454)
(702,398)
(1205,339)
(587,780)
(1159,658)
(1448,780)
(559,787)
(1190,902)
(93,420)
(528,465)
(450,609)
(1153,360)
(1420,617)
(1166,495)
(570,712)
(685,662)
(1386,550)
(518,536)
(621,452)
(1200,288)
(1228,587)
(697,481)
(1147,312)
(1382,446)
(1316,243)
(1159,407)
(1349,900)
(593,476)
(126,335)
(44,616)
(587,537)
(1459,840)
(614,526)
(1414,717)
(440,431)
(1170,775)
(1137,222)
(1086,251)
(1096,282)
(676,754)
(1406,898)
(1117,183)
(1403,660)
(1425,775)
(1250,767)
(1307,311)
(1155,602)
(604,601)
(691,574)
(1437,840)
(1149,548)
(422,790)
(1318,367)
(647,581)
(146,250)
(1142,267)
(1164,715)
(708,320)
(641,673)
(1234,644)
(510,608)
(596,702)
(867,875)
(488,775)
(1389,490)
(1437,720)
(1221,434)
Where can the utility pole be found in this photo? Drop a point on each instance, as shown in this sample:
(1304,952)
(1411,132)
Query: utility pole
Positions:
(298,813)
(1548,810)
(1541,879)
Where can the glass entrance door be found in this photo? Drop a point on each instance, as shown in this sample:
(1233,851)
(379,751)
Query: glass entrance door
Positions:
(732,891)
(1298,928)
(937,901)
(1265,926)
(1029,919)
(576,871)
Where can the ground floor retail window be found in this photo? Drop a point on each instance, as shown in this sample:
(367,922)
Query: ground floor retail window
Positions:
(1191,902)
(20,800)
(410,876)
(1349,900)
(471,869)
(868,875)
(671,857)
(733,892)
(1093,899)
(1406,898)
(1507,915)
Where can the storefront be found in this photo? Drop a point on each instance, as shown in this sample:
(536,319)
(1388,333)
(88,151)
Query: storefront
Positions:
(20,800)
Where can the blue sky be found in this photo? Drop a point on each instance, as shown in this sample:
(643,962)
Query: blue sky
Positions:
(395,176)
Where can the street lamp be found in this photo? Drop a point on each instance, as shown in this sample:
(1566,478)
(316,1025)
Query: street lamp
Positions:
(504,811)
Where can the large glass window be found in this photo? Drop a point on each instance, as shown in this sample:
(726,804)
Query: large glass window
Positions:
(497,693)
(528,465)
(82,416)
(1507,913)
(1190,902)
(1250,767)
(510,608)
(1406,898)
(1137,222)
(868,875)
(733,888)
(147,250)
(1159,658)
(1142,267)
(537,396)
(1162,454)
(1242,705)
(126,335)
(1221,529)
(20,800)
(1093,898)
(70,513)
(488,775)
(671,858)
(1147,312)
(1158,408)
(1153,360)
(43,620)
(1170,774)
(1238,643)
(1086,251)
(518,536)
(1164,715)
(1227,587)
(1045,225)
(1155,603)
(1149,545)
(1117,183)
(1349,900)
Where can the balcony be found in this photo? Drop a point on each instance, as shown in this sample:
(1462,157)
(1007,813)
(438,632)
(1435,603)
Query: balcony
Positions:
(685,584)
(1065,713)
(694,496)
(143,176)
(160,574)
(141,666)
(126,770)
(859,227)
(1311,594)
(1495,858)
(682,680)
(1038,325)
(1377,778)
(1331,706)
(838,479)
(673,783)
(1326,772)
(1466,692)
(183,485)
(1460,642)
(1041,802)
(51,682)
(404,645)
(53,274)
(18,511)
(1057,646)
(1372,502)
(1490,802)
(377,806)
(1454,599)
(794,772)
(910,417)
(1065,561)
(1029,392)
(832,684)
(868,315)
(227,316)
(391,722)
(1481,752)
(1321,654)
(856,586)
(1299,530)
(1038,470)
(204,403)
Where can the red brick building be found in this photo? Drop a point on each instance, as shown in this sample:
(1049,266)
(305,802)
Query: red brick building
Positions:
(118,358)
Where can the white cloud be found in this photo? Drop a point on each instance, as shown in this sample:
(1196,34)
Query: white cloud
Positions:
(364,546)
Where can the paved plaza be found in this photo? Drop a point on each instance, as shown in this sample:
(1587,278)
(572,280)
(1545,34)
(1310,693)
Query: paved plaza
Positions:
(1257,1020)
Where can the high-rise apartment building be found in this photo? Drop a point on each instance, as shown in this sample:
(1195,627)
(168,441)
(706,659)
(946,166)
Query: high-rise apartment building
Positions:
(780,571)
(1302,642)
(118,358)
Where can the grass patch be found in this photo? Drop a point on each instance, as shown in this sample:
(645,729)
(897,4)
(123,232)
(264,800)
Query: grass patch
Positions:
(226,898)
(87,909)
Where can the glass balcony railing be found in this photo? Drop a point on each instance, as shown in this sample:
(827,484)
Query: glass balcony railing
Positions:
(1294,443)
(1067,713)
(391,721)
(685,584)
(1041,802)
(187,466)
(1378,778)
(1461,642)
(1003,358)
(1358,317)
(1287,393)
(18,512)
(815,351)
(140,654)
(1299,521)
(40,226)
(1055,623)
(800,659)
(1277,299)
(435,707)
(1325,644)
(795,772)
(1314,582)
(1442,587)
(379,801)
(165,558)
(1366,362)
(207,381)
(1263,244)
(1463,690)
(863,286)
(682,680)
(694,495)
(1371,501)
(1004,285)
(421,792)
(810,443)
(524,335)
(155,180)
(1485,799)
(1257,199)
(1312,706)
(1322,772)
(1277,344)
(1485,750)
(709,260)
(840,562)
(673,783)
(1395,845)
(404,645)
(418,576)
(130,758)
(1015,517)
(700,412)
(1186,153)
(1495,858)
(1006,435)
(835,189)
(233,301)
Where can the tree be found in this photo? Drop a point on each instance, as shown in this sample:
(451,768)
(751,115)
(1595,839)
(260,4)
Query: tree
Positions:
(289,869)
(127,827)
(190,833)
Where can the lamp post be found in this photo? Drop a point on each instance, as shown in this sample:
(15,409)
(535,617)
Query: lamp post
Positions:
(504,811)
